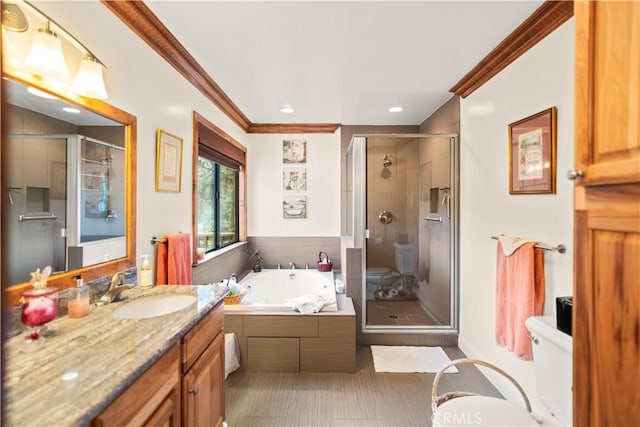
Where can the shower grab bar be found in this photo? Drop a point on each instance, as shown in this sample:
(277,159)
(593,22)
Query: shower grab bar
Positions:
(433,218)
(46,215)
(547,247)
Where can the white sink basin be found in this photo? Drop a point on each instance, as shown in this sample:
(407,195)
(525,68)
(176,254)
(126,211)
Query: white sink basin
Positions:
(153,306)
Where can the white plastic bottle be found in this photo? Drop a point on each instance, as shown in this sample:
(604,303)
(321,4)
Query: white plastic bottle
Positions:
(144,273)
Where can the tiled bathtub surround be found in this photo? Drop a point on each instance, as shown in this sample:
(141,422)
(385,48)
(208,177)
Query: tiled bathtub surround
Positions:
(299,250)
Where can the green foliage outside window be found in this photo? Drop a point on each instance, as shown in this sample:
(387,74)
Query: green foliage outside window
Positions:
(217,205)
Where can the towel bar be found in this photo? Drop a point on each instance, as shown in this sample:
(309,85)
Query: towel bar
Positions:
(155,240)
(42,215)
(559,248)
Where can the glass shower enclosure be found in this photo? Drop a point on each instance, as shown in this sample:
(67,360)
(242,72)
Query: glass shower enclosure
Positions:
(401,209)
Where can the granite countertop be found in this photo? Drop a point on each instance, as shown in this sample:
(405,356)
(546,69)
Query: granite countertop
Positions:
(86,363)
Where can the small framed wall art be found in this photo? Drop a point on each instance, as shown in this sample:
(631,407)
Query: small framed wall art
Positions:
(294,151)
(294,179)
(294,207)
(168,162)
(532,154)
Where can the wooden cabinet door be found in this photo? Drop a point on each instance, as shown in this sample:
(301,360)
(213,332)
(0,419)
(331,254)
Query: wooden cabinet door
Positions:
(607,91)
(203,387)
(606,366)
(152,400)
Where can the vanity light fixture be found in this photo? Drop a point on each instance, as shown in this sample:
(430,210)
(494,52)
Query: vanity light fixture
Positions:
(286,109)
(46,59)
(89,81)
(395,109)
(13,18)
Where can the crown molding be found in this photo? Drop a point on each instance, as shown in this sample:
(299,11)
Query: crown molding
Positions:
(142,21)
(544,20)
(293,127)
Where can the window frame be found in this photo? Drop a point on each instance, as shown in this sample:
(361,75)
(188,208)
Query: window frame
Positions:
(226,152)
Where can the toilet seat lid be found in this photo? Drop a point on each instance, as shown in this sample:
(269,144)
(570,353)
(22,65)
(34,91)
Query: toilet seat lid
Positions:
(481,411)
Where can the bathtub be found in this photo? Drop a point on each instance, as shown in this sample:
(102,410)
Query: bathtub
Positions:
(269,289)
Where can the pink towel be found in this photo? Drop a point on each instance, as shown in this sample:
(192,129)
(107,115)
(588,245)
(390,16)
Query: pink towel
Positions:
(174,260)
(519,295)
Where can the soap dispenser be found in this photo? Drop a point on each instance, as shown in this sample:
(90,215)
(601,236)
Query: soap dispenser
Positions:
(145,279)
(78,305)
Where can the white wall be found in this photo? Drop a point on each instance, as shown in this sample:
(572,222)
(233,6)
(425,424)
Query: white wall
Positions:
(541,78)
(140,82)
(265,189)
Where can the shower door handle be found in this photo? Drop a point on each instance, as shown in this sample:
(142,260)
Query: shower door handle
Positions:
(433,218)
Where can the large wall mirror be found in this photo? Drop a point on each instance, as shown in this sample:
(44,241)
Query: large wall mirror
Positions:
(68,186)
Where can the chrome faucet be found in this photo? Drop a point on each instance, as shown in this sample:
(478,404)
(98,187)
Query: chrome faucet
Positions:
(258,265)
(292,265)
(115,288)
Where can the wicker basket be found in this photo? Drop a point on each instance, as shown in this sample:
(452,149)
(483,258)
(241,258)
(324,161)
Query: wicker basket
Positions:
(326,266)
(233,299)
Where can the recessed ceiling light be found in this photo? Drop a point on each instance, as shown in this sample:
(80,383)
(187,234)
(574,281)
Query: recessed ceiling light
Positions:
(286,109)
(37,92)
(395,109)
(70,110)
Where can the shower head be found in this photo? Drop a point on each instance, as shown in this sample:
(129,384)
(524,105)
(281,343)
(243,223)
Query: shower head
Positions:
(386,162)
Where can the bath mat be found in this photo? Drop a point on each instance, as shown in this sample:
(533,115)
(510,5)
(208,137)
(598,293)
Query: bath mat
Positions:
(388,358)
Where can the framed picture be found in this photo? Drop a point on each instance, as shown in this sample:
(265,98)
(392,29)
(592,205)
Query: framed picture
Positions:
(294,207)
(532,154)
(294,179)
(294,151)
(168,162)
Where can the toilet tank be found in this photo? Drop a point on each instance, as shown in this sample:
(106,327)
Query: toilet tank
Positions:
(404,257)
(552,362)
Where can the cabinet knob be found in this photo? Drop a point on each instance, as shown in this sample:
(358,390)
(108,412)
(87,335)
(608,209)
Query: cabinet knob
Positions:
(573,174)
(194,391)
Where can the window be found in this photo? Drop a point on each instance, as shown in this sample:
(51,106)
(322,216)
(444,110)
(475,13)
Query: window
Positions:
(217,205)
(219,164)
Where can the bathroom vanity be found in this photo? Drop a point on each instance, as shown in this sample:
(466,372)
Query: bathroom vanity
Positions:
(104,370)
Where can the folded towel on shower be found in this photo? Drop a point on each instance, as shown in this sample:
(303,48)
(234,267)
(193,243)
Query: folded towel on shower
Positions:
(174,260)
(519,295)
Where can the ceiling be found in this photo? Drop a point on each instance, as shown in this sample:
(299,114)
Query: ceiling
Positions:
(340,61)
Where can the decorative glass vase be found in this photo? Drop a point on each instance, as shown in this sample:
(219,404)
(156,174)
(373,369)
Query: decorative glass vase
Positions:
(39,306)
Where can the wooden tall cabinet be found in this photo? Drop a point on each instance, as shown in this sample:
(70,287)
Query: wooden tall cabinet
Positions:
(607,214)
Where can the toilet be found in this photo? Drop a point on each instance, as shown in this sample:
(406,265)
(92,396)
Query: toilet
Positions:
(404,265)
(552,361)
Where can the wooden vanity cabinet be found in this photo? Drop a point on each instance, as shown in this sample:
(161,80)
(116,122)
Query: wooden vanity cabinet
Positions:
(152,400)
(203,388)
(185,387)
(203,371)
